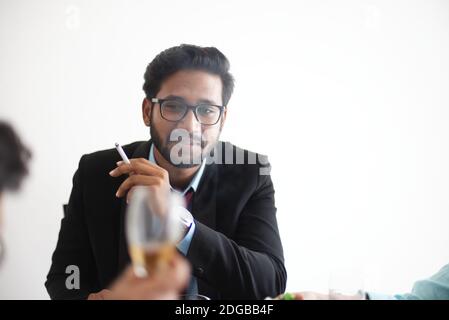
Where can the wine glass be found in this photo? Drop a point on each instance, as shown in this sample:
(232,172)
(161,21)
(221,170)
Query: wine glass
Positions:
(346,283)
(152,229)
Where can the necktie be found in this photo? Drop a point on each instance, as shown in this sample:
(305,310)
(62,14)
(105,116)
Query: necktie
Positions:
(188,199)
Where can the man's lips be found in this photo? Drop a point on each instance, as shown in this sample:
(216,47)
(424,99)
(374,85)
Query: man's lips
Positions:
(188,144)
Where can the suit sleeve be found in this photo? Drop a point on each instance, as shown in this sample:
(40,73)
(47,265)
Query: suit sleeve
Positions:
(250,266)
(73,249)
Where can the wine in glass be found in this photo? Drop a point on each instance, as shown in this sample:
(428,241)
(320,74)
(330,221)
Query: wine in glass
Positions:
(152,229)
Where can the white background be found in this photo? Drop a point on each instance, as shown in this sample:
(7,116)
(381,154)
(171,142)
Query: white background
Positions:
(349,99)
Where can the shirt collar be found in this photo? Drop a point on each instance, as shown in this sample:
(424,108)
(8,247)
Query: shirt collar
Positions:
(193,183)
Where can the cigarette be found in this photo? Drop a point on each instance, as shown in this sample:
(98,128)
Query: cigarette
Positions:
(122,153)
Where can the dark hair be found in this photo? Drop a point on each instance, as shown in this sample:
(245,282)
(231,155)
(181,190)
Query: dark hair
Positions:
(14,158)
(188,57)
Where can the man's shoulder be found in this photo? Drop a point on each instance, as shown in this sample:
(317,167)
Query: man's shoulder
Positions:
(230,157)
(229,153)
(238,170)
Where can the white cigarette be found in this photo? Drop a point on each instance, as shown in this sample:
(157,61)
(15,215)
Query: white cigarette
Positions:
(122,153)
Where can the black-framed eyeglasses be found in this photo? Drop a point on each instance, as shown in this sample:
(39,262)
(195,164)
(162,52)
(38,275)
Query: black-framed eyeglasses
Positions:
(175,110)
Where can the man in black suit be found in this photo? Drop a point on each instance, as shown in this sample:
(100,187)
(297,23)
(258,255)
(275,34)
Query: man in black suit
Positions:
(232,242)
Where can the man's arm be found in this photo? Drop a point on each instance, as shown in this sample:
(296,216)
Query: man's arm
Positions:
(433,288)
(251,265)
(73,248)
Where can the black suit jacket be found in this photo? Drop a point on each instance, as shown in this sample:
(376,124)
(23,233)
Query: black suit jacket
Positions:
(235,253)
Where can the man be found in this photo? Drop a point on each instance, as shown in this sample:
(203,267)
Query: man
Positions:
(166,284)
(232,242)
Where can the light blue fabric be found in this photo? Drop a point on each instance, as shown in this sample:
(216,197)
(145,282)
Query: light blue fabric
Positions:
(433,288)
(184,244)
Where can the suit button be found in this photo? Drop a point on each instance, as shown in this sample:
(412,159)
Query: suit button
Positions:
(199,271)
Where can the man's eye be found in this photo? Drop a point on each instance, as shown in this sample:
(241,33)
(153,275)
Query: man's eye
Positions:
(207,110)
(173,107)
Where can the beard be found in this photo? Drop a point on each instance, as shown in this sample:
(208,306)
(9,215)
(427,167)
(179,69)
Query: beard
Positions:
(165,147)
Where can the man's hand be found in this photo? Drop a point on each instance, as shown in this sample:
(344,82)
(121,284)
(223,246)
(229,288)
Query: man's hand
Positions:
(104,294)
(311,296)
(308,295)
(165,284)
(142,173)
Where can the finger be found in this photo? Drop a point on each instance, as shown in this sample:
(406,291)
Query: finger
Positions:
(105,294)
(181,273)
(93,296)
(153,290)
(122,168)
(101,295)
(129,274)
(166,283)
(176,274)
(157,288)
(138,166)
(145,167)
(136,180)
(129,195)
(299,296)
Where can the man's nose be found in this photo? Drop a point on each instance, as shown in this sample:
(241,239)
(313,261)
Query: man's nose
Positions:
(190,123)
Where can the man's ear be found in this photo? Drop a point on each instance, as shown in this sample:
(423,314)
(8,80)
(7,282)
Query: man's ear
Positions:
(223,118)
(146,111)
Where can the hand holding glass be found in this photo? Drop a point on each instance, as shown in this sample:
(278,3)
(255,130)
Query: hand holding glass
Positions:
(152,229)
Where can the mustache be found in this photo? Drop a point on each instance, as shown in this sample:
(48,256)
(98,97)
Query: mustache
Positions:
(191,139)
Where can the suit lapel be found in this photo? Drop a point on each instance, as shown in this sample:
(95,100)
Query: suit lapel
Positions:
(142,151)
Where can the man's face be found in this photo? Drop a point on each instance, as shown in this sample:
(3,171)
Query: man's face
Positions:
(192,87)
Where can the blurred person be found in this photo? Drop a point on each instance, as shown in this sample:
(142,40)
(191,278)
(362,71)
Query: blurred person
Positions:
(167,284)
(434,288)
(14,157)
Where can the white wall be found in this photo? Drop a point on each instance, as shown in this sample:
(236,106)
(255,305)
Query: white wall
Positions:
(349,99)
